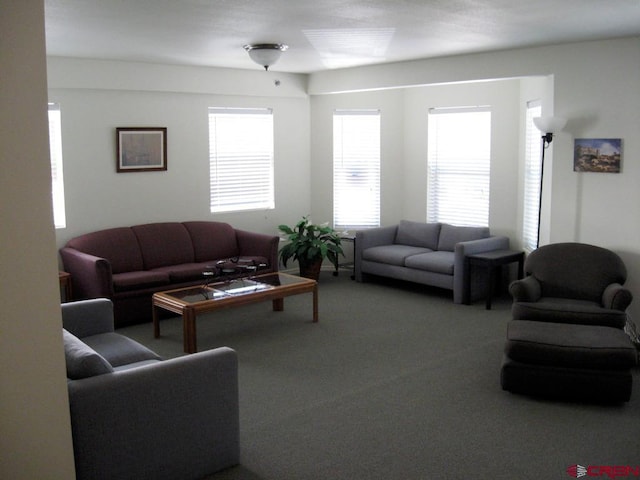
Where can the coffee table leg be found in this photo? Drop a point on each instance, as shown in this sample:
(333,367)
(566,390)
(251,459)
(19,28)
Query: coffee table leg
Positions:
(156,321)
(189,327)
(315,304)
(278,304)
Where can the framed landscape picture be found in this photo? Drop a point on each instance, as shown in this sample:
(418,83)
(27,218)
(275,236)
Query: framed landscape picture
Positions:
(141,149)
(597,155)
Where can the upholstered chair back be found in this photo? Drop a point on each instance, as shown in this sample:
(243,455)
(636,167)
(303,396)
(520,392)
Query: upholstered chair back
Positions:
(575,270)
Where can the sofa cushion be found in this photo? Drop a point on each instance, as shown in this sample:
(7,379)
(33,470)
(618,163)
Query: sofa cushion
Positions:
(119,350)
(450,235)
(391,254)
(126,281)
(418,234)
(82,361)
(212,240)
(438,262)
(562,310)
(186,272)
(118,245)
(164,244)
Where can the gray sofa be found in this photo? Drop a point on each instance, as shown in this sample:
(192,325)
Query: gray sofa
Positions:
(427,253)
(134,416)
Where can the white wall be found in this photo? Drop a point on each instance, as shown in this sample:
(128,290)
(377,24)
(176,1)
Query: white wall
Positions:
(97,96)
(595,85)
(390,104)
(535,88)
(404,114)
(502,97)
(35,430)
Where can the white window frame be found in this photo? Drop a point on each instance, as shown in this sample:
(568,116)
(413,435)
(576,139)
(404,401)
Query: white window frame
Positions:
(459,165)
(532,173)
(57,176)
(356,168)
(241,159)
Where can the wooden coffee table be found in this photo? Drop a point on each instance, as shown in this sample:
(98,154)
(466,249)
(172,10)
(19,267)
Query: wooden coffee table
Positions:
(192,301)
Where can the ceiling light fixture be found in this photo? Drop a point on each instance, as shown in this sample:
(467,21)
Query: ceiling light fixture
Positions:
(265,54)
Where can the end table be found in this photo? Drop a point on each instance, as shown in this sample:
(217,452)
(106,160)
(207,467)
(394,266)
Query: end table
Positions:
(65,285)
(492,261)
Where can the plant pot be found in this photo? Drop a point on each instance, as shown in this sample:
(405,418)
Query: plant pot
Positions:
(311,269)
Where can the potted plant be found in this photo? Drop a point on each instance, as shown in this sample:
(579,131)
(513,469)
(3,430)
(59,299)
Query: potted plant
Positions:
(310,244)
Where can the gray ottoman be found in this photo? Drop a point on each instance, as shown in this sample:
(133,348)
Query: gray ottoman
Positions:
(568,361)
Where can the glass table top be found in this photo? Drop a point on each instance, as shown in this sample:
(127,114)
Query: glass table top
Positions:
(235,287)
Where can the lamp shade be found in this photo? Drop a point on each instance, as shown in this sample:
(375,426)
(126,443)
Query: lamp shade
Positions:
(550,124)
(265,54)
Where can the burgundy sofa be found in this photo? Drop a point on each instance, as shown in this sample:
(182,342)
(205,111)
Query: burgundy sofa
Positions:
(129,264)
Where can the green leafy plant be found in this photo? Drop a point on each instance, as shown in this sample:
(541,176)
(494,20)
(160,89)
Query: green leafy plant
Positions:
(309,243)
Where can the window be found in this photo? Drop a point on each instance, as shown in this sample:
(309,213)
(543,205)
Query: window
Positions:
(55,153)
(459,159)
(241,159)
(532,172)
(356,168)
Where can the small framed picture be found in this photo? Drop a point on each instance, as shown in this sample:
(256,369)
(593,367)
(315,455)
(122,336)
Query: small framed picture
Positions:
(602,155)
(141,149)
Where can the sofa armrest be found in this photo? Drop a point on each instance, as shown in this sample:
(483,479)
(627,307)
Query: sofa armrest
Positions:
(259,244)
(173,419)
(616,297)
(481,245)
(88,317)
(91,276)
(371,237)
(527,289)
(470,247)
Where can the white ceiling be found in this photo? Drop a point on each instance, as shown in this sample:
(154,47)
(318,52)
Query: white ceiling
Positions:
(323,34)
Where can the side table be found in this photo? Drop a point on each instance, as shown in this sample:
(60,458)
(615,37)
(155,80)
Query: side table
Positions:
(349,239)
(492,261)
(65,285)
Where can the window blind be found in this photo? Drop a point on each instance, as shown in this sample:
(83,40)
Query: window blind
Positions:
(532,172)
(55,154)
(356,168)
(459,161)
(241,159)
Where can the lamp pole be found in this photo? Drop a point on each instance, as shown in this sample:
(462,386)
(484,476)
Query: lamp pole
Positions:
(547,125)
(546,140)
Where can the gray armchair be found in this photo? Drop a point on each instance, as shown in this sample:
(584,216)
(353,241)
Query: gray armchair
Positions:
(572,283)
(140,417)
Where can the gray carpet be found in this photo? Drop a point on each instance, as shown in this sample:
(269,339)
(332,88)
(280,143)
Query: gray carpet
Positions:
(394,382)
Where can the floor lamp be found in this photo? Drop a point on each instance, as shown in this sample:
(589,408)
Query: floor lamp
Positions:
(548,126)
